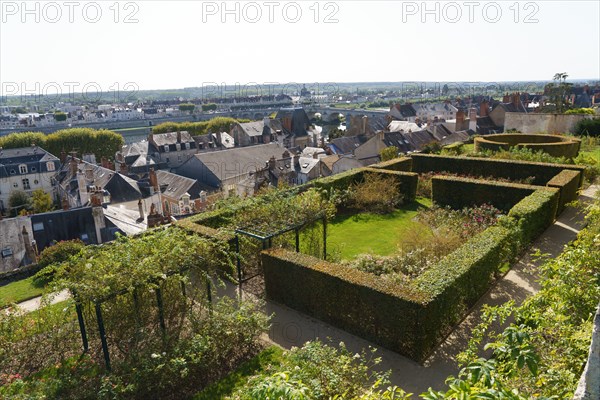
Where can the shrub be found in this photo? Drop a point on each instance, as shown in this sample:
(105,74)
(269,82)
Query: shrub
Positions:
(588,127)
(397,164)
(587,111)
(568,182)
(52,257)
(535,213)
(376,193)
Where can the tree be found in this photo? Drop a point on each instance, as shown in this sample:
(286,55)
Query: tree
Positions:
(60,116)
(23,139)
(41,201)
(187,107)
(558,92)
(335,133)
(18,201)
(209,107)
(389,153)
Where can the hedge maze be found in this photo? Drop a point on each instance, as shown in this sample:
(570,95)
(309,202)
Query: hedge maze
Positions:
(413,318)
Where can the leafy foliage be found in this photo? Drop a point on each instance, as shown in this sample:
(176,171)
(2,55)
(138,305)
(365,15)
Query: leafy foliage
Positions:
(218,124)
(319,371)
(102,143)
(377,193)
(389,153)
(588,127)
(52,257)
(18,201)
(41,201)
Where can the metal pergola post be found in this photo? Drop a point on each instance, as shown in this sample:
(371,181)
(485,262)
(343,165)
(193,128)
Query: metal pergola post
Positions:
(297,240)
(81,321)
(324,238)
(102,332)
(161,315)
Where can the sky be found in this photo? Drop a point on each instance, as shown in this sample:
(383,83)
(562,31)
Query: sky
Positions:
(107,45)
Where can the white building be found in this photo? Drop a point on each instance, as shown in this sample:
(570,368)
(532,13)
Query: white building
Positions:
(27,169)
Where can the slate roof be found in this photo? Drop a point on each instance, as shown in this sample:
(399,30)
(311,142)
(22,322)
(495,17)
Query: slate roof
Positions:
(35,158)
(255,128)
(177,185)
(405,126)
(406,110)
(460,136)
(439,131)
(169,138)
(125,219)
(510,107)
(307,164)
(346,144)
(234,162)
(120,187)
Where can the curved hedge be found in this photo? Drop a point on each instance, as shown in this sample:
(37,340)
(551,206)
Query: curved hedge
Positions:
(554,145)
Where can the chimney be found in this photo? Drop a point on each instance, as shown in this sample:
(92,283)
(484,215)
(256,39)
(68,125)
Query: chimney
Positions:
(98,214)
(271,163)
(178,137)
(267,122)
(506,98)
(73,166)
(365,121)
(104,162)
(89,174)
(141,209)
(516,99)
(285,155)
(484,108)
(29,252)
(460,118)
(123,168)
(65,203)
(316,155)
(153,180)
(473,119)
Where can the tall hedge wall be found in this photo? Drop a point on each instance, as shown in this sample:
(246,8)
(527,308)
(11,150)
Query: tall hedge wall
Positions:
(410,319)
(568,183)
(356,301)
(396,164)
(459,192)
(535,213)
(408,180)
(510,169)
(457,282)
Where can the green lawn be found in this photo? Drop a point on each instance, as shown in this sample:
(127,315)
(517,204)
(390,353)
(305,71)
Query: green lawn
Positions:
(19,291)
(351,235)
(238,378)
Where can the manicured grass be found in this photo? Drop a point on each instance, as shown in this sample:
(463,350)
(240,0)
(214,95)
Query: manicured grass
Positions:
(238,378)
(351,235)
(19,291)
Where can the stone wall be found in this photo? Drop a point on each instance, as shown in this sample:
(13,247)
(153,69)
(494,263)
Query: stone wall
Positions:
(547,123)
(589,384)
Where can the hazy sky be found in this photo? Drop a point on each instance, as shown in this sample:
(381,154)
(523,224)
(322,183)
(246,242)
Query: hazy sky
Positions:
(175,44)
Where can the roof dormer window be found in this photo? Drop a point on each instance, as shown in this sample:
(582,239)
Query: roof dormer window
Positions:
(22,169)
(166,147)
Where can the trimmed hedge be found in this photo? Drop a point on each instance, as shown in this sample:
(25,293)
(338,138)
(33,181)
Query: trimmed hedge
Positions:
(457,282)
(535,213)
(509,169)
(364,304)
(459,192)
(554,145)
(396,164)
(568,183)
(409,319)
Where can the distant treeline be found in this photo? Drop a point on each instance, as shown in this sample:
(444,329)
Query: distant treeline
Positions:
(102,143)
(218,124)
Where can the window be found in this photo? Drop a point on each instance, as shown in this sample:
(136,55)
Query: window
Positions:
(38,226)
(187,146)
(179,158)
(50,166)
(167,159)
(33,169)
(36,182)
(15,184)
(166,147)
(12,172)
(6,252)
(26,184)
(22,169)
(178,146)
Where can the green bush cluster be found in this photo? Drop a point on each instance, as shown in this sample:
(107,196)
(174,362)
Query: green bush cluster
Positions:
(458,192)
(568,181)
(414,317)
(475,166)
